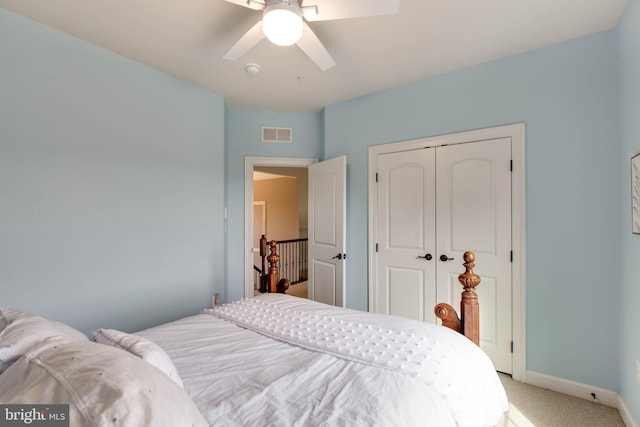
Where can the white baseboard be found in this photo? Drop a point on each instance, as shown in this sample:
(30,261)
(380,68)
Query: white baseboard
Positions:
(626,414)
(573,388)
(583,391)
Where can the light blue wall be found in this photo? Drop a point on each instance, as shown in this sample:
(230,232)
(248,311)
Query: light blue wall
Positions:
(629,53)
(244,136)
(567,96)
(111,184)
(113,176)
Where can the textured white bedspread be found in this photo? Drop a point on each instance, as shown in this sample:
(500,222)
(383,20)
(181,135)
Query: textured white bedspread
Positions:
(240,377)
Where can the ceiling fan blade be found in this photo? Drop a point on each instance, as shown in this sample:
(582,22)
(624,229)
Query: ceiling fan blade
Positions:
(311,45)
(249,40)
(325,10)
(251,4)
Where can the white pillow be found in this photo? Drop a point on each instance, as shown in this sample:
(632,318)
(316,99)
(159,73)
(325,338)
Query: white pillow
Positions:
(140,347)
(104,386)
(22,330)
(3,322)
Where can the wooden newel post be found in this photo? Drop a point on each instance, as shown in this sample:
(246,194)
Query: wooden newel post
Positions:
(273,259)
(469,308)
(468,323)
(263,256)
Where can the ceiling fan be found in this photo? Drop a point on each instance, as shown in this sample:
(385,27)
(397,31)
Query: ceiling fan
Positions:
(284,22)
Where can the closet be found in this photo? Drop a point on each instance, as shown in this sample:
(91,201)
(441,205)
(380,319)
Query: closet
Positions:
(433,204)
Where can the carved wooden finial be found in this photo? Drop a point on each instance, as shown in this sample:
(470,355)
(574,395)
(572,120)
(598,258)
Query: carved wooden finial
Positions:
(469,280)
(469,310)
(273,259)
(469,320)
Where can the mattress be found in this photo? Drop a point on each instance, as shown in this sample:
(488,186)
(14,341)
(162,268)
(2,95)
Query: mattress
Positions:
(239,374)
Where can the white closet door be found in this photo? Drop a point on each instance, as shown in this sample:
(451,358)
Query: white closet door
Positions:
(441,202)
(406,230)
(474,213)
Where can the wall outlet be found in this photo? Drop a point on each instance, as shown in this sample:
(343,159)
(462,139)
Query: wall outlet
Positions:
(638,370)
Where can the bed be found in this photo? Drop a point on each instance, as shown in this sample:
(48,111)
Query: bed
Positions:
(272,360)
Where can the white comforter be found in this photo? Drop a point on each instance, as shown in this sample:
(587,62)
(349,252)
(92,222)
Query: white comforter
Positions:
(240,377)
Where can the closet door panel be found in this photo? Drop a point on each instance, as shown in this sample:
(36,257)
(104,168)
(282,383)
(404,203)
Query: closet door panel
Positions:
(406,293)
(473,210)
(471,213)
(406,234)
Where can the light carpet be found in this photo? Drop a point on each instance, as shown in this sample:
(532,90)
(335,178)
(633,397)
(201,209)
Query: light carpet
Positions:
(538,407)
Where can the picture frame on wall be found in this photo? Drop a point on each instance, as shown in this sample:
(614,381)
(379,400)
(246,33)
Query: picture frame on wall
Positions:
(635,194)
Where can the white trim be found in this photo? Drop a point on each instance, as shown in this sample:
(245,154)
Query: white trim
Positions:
(372,231)
(583,391)
(518,241)
(518,208)
(249,164)
(625,413)
(263,204)
(574,388)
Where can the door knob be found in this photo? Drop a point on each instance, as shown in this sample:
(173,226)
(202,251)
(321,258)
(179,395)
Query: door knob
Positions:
(339,256)
(445,258)
(428,257)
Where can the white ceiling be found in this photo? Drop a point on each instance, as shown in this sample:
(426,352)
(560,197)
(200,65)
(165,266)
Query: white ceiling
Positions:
(187,38)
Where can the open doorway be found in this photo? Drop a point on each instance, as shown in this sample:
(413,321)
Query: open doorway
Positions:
(280,212)
(278,166)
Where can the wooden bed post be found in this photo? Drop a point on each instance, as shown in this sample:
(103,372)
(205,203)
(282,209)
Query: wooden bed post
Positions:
(469,322)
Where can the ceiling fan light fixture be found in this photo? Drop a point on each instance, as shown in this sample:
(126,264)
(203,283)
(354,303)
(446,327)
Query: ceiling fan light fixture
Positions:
(282,23)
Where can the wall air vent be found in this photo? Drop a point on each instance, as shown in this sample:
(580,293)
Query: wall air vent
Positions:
(270,134)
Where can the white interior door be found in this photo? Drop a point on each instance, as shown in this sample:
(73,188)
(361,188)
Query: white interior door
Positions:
(406,226)
(473,207)
(327,220)
(443,201)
